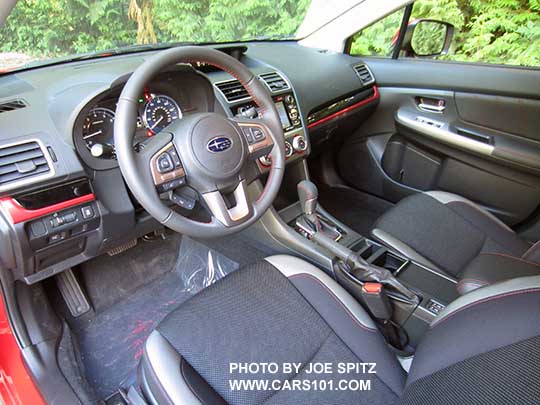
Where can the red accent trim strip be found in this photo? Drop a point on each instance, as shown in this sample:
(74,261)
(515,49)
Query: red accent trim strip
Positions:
(20,214)
(374,97)
(16,384)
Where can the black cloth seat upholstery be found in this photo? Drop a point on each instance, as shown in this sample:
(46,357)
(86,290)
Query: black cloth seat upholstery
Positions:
(447,232)
(491,268)
(284,310)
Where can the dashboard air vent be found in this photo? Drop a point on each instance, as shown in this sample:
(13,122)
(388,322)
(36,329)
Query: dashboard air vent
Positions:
(232,90)
(365,75)
(22,161)
(12,105)
(274,81)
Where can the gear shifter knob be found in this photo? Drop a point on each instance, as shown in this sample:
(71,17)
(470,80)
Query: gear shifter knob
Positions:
(308,195)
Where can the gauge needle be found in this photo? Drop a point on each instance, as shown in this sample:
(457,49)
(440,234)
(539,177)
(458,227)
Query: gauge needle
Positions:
(93,134)
(157,122)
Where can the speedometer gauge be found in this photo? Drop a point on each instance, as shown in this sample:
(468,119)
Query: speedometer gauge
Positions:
(98,128)
(160,111)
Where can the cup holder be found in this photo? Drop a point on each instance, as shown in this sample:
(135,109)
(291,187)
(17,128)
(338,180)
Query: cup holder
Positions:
(390,262)
(379,256)
(365,249)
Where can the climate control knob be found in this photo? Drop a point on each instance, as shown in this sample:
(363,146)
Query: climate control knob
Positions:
(288,149)
(299,143)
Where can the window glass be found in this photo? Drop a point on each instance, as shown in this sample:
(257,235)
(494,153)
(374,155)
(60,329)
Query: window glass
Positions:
(488,31)
(378,39)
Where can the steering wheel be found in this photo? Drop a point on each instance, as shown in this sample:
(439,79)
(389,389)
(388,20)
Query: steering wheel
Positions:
(209,152)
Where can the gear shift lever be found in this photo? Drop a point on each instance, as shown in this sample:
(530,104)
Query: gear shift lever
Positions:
(308,196)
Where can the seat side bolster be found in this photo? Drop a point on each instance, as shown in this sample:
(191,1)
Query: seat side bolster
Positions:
(349,321)
(492,268)
(165,379)
(291,266)
(479,322)
(533,253)
(466,285)
(446,198)
(485,294)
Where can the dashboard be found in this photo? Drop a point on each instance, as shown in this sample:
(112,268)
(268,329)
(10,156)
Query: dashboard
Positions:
(62,197)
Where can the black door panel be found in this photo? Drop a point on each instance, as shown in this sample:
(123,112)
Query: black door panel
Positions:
(519,116)
(446,126)
(508,149)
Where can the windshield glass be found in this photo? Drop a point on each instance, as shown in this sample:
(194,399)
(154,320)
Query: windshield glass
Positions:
(40,30)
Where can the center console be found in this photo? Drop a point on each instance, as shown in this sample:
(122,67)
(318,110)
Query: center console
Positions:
(388,284)
(403,295)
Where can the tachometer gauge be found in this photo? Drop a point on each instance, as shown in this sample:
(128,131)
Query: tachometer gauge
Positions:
(159,112)
(98,128)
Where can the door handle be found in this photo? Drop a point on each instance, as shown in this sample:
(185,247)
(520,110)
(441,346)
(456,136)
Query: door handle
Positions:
(432,105)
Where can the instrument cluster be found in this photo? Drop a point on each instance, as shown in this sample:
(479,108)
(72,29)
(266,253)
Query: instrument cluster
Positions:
(156,111)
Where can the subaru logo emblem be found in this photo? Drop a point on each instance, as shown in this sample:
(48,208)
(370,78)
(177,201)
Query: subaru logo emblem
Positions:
(219,144)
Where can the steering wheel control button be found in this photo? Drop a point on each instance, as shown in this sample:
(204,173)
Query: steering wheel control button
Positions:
(249,136)
(171,185)
(175,158)
(165,163)
(258,134)
(167,168)
(183,201)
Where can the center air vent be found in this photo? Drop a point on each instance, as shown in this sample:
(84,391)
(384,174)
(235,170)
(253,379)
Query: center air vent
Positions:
(365,75)
(232,90)
(274,81)
(12,105)
(22,162)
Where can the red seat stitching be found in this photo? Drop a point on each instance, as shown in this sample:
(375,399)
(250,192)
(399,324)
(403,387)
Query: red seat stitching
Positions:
(512,257)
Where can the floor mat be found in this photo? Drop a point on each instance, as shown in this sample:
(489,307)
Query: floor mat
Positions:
(111,340)
(354,208)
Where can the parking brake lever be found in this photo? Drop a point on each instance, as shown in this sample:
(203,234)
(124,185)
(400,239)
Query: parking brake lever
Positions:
(363,270)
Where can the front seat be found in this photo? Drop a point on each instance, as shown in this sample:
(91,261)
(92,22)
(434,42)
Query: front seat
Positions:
(283,310)
(447,232)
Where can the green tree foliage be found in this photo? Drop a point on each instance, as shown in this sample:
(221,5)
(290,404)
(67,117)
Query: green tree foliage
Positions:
(227,20)
(492,31)
(49,28)
(489,31)
(56,27)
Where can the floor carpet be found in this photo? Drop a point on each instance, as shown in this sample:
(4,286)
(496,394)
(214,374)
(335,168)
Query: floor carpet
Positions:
(132,292)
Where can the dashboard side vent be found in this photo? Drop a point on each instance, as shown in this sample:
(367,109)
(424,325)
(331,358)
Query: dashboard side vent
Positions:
(365,75)
(12,105)
(232,90)
(274,81)
(22,161)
